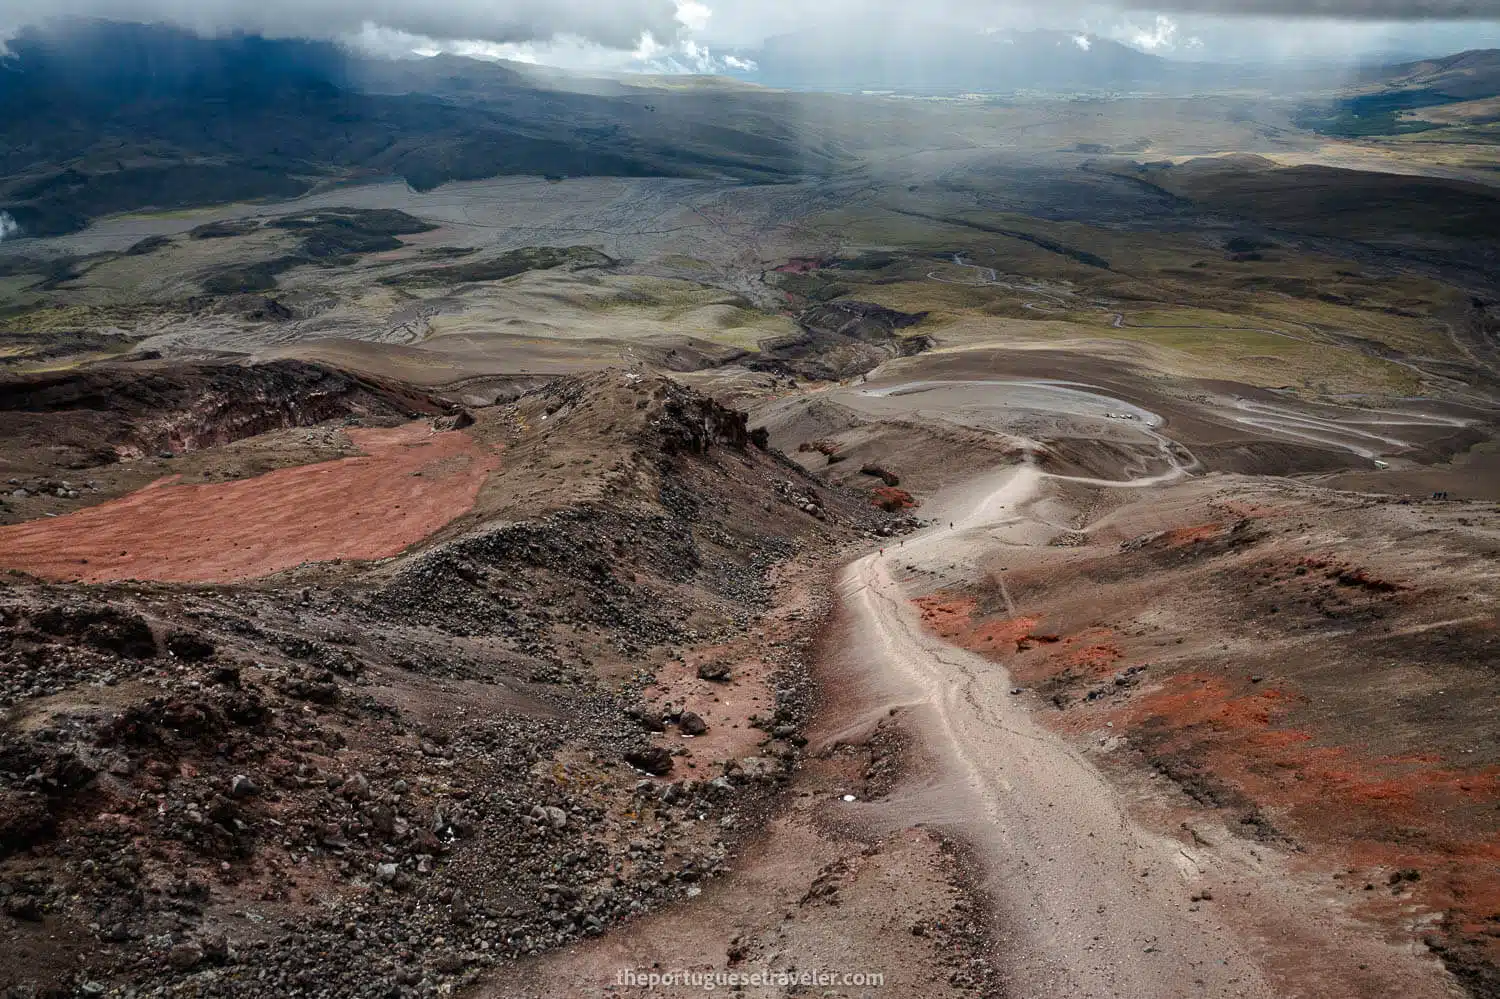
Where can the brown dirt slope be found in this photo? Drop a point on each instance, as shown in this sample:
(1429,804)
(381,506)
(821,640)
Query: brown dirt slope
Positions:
(1312,670)
(111,412)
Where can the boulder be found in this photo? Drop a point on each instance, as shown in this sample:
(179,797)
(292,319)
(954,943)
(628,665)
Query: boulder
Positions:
(454,421)
(718,672)
(649,717)
(652,759)
(189,647)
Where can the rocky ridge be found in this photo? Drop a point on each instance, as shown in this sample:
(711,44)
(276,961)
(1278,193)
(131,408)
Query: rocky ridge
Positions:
(384,779)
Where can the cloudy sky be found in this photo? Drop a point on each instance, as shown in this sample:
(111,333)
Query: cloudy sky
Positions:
(703,35)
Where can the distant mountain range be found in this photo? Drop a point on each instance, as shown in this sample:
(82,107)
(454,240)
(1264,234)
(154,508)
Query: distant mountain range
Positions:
(99,117)
(1465,76)
(105,117)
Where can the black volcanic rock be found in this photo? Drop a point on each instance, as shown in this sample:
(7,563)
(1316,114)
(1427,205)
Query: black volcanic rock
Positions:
(653,760)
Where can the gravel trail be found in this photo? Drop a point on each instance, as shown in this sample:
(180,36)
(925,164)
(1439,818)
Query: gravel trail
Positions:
(1091,904)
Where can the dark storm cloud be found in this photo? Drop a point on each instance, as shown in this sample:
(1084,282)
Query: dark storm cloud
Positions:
(618,25)
(613,23)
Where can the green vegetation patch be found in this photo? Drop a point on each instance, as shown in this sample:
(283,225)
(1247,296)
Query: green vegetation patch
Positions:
(328,237)
(1371,114)
(530,258)
(52,271)
(148,245)
(876,260)
(814,286)
(224,229)
(239,279)
(19,349)
(64,202)
(347,231)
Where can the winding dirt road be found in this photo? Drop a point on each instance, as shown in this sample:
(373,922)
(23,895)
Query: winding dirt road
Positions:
(1091,901)
(1091,904)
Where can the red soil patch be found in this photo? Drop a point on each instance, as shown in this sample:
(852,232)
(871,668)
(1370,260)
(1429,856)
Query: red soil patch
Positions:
(1191,700)
(1001,634)
(1028,642)
(408,484)
(1088,654)
(1199,712)
(891,499)
(1387,816)
(948,619)
(1091,651)
(1351,575)
(1183,536)
(1387,813)
(953,621)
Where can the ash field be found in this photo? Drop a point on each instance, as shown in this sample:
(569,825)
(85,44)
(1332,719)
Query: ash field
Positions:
(1039,546)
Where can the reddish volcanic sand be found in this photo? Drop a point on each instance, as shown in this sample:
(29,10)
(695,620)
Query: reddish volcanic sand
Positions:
(410,482)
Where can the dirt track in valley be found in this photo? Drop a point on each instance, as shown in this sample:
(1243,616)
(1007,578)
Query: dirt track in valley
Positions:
(1104,880)
(1089,900)
(409,483)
